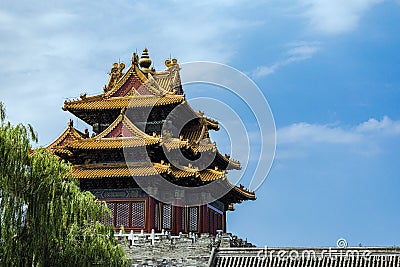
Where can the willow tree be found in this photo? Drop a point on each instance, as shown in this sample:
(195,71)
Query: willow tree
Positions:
(45,219)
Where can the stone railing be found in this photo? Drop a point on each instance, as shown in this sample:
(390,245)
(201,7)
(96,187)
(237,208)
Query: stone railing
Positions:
(166,249)
(221,239)
(140,238)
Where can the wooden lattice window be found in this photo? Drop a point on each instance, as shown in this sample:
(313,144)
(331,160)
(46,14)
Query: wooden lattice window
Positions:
(193,219)
(130,214)
(167,217)
(137,214)
(122,214)
(109,219)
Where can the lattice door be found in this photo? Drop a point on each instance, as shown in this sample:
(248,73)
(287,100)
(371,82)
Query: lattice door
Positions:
(167,217)
(138,214)
(122,214)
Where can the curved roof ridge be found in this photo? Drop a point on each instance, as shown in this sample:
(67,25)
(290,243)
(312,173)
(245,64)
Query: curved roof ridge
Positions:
(69,131)
(122,118)
(110,128)
(242,190)
(121,81)
(134,129)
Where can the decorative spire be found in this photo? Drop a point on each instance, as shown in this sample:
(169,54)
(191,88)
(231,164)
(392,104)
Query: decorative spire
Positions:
(145,61)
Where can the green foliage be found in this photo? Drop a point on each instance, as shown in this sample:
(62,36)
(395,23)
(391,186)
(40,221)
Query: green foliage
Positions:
(45,219)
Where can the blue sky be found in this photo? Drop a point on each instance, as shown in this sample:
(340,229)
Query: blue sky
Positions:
(330,71)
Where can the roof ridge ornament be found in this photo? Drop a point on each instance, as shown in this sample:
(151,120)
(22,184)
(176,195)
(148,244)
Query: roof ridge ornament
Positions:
(86,133)
(145,61)
(169,63)
(135,59)
(115,75)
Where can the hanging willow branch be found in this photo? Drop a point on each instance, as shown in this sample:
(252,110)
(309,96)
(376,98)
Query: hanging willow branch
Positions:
(45,220)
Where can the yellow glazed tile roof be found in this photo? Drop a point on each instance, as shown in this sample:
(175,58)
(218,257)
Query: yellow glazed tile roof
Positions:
(174,143)
(149,83)
(160,84)
(128,124)
(121,142)
(245,192)
(206,175)
(137,137)
(168,79)
(110,143)
(203,147)
(62,151)
(117,170)
(69,134)
(210,175)
(122,102)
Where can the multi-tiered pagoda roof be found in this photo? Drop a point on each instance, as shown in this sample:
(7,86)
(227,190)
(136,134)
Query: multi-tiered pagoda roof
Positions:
(130,113)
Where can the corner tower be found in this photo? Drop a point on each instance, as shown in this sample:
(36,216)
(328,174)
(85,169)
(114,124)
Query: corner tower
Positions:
(131,114)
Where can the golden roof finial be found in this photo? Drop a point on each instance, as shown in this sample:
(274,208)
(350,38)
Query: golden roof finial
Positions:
(145,61)
(170,63)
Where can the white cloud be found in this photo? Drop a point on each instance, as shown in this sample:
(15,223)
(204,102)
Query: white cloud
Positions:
(262,71)
(300,133)
(297,51)
(52,51)
(386,127)
(338,16)
(302,50)
(366,138)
